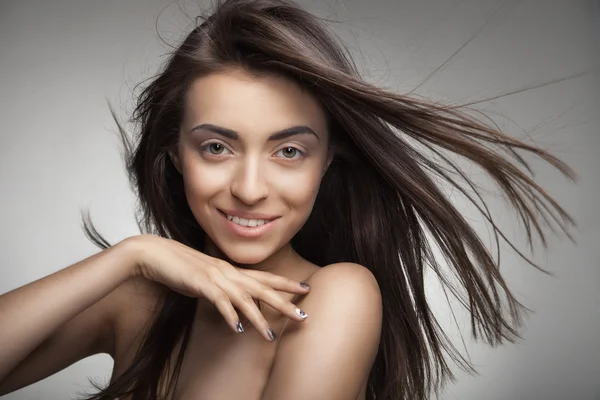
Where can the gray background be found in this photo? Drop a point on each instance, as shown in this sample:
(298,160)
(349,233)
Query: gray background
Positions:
(60,60)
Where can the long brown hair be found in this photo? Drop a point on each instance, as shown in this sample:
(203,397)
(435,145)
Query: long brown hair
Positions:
(380,203)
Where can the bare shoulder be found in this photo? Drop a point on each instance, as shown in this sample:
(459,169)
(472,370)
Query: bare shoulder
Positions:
(339,338)
(344,297)
(343,292)
(340,274)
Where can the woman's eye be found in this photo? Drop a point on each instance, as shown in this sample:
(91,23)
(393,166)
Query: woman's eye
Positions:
(215,148)
(290,153)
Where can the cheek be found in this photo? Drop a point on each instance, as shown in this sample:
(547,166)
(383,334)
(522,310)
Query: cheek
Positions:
(298,189)
(202,181)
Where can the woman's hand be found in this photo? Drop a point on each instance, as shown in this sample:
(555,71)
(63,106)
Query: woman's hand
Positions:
(195,274)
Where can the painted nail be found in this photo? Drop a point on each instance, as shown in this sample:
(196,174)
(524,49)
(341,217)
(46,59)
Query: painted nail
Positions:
(271,334)
(240,328)
(305,285)
(301,313)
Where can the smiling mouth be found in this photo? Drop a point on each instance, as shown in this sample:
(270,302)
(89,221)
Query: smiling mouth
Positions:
(246,222)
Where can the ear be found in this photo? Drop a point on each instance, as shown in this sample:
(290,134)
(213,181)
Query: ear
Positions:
(175,159)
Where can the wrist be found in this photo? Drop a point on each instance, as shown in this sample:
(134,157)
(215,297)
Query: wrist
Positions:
(130,252)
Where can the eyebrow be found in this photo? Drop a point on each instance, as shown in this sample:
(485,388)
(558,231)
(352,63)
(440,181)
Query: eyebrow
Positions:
(279,135)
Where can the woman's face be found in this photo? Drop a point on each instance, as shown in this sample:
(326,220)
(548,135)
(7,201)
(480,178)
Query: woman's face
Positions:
(252,153)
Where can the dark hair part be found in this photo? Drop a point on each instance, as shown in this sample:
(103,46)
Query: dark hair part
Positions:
(380,203)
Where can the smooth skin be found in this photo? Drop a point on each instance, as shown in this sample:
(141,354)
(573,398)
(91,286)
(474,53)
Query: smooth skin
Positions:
(237,155)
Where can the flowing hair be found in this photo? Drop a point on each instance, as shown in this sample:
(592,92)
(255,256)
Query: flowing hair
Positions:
(381,203)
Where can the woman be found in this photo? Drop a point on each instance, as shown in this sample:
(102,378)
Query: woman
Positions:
(289,210)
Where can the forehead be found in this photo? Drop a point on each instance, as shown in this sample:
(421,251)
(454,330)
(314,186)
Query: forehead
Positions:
(247,103)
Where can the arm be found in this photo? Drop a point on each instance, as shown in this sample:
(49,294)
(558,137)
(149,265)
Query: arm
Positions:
(51,323)
(330,355)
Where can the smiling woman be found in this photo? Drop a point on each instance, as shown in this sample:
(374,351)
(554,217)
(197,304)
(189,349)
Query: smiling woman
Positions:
(288,215)
(252,150)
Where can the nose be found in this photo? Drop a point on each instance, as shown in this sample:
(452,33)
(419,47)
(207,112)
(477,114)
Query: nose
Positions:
(249,185)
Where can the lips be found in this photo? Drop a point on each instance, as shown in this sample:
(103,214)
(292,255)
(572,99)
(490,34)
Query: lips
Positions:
(247,219)
(248,224)
(249,216)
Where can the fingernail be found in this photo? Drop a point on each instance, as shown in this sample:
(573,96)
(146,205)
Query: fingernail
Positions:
(301,313)
(240,328)
(305,285)
(271,334)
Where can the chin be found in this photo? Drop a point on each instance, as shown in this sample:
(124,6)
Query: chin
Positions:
(247,259)
(248,254)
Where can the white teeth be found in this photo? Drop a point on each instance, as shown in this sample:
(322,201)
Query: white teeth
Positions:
(246,222)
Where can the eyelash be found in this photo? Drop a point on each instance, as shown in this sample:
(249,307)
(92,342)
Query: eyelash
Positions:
(298,151)
(205,149)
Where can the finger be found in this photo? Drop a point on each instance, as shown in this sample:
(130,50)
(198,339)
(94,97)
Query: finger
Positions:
(278,282)
(223,304)
(269,296)
(244,301)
